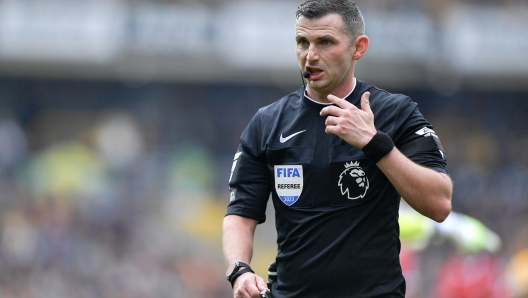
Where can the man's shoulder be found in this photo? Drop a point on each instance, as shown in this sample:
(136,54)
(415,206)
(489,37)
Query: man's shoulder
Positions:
(290,100)
(379,92)
(382,97)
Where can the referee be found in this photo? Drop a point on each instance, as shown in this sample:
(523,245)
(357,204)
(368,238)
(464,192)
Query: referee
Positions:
(336,157)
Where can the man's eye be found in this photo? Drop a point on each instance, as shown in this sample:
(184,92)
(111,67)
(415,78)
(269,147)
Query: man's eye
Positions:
(303,43)
(326,42)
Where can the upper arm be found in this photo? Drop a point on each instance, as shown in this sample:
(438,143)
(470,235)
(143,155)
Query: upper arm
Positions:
(238,221)
(249,182)
(417,140)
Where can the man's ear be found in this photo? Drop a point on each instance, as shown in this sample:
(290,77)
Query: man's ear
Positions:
(360,44)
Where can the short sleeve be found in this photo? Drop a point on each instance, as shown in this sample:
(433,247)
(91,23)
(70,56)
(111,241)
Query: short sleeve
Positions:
(417,140)
(249,182)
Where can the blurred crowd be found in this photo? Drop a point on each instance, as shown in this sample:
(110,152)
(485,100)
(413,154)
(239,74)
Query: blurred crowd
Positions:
(92,205)
(381,4)
(110,189)
(431,6)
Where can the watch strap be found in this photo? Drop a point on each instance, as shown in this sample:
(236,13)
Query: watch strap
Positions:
(240,272)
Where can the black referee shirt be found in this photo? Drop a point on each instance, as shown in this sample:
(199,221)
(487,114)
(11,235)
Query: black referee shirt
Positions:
(336,213)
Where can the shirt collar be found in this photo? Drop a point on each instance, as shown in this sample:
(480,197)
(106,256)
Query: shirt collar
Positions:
(329,103)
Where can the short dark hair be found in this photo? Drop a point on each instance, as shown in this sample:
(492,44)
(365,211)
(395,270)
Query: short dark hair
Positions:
(348,10)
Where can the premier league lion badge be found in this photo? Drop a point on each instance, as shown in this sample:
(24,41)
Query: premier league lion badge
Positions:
(353,181)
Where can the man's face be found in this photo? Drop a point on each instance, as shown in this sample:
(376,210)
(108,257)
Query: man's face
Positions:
(324,50)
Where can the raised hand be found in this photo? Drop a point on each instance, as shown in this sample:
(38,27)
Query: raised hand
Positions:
(355,126)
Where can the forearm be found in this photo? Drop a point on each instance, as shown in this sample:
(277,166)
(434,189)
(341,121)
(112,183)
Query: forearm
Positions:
(427,191)
(237,239)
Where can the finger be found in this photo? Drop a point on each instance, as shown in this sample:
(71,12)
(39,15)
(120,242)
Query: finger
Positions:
(261,284)
(365,102)
(242,293)
(332,129)
(254,287)
(331,121)
(253,291)
(339,101)
(243,285)
(331,110)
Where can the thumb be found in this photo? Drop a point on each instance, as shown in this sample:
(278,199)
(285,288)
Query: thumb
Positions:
(365,102)
(261,284)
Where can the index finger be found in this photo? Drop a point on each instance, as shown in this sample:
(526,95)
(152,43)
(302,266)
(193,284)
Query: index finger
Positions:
(261,285)
(342,103)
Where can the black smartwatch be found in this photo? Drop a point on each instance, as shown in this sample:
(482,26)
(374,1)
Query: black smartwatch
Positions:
(236,272)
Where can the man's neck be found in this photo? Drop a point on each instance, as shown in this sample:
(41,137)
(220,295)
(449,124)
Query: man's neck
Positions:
(322,97)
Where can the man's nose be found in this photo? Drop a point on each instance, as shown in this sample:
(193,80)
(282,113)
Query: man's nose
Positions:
(312,55)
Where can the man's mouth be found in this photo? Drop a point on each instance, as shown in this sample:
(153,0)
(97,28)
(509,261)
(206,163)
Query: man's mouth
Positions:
(315,73)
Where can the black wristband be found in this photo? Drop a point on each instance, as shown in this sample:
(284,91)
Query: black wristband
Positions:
(240,272)
(380,145)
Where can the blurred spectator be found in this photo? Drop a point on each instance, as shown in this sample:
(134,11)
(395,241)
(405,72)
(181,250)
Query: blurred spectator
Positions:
(19,240)
(517,273)
(417,232)
(119,140)
(479,276)
(12,144)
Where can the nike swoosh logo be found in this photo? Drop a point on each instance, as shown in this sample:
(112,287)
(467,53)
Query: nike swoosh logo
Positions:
(282,140)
